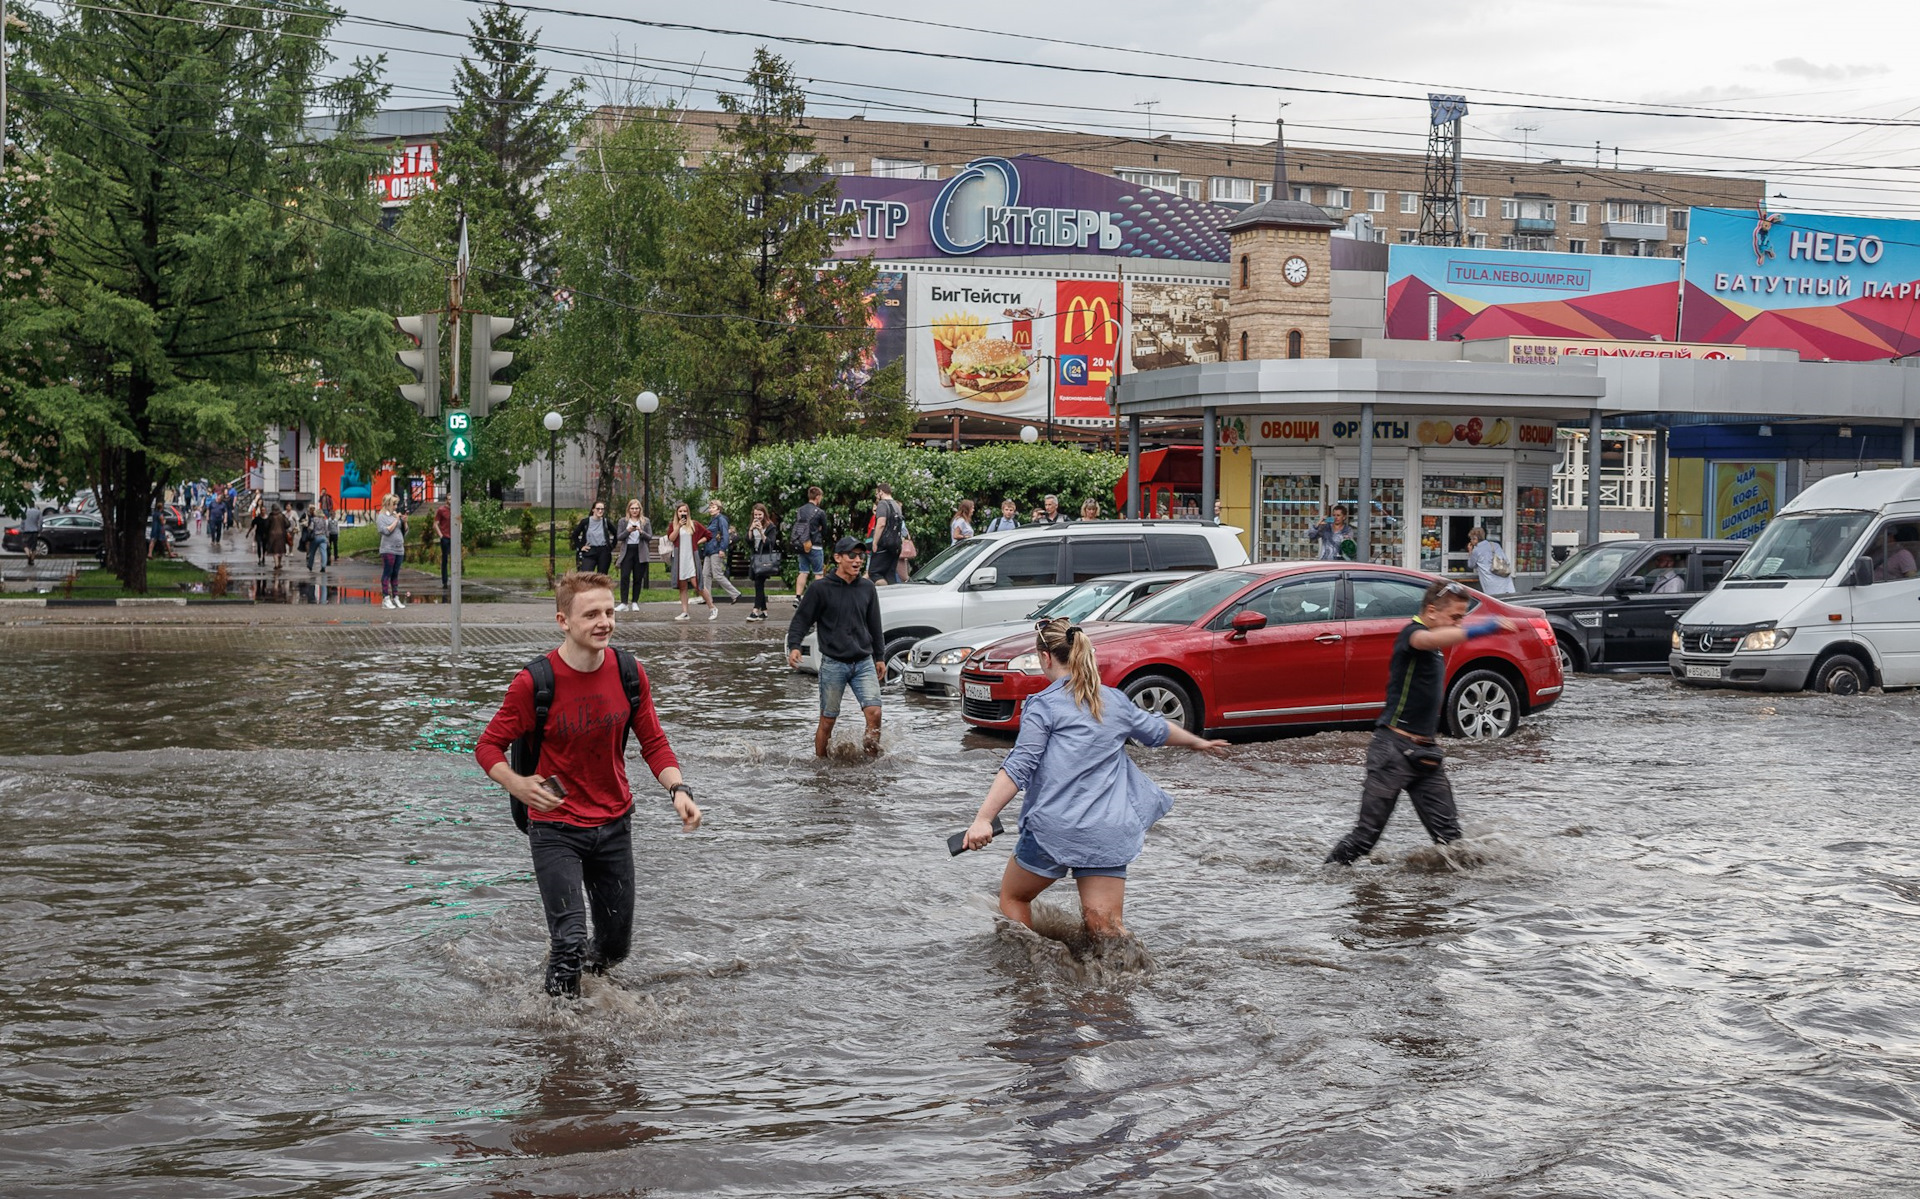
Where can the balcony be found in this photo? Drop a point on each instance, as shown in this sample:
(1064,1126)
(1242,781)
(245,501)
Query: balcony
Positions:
(1533,225)
(1633,231)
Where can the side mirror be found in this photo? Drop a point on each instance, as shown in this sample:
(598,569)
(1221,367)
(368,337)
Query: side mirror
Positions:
(1246,622)
(983,578)
(1863,571)
(1631,585)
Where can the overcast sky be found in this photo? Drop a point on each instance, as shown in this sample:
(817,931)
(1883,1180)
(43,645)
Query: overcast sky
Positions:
(1839,59)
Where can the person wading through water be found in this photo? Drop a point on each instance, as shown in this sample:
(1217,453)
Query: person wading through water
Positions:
(578,803)
(847,609)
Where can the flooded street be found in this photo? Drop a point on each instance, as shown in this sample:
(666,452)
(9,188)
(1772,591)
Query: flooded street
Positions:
(270,932)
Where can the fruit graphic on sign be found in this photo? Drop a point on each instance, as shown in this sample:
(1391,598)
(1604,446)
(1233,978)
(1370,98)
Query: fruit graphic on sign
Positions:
(1443,432)
(1425,432)
(1498,434)
(1474,431)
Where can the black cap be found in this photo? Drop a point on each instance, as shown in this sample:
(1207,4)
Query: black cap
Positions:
(847,545)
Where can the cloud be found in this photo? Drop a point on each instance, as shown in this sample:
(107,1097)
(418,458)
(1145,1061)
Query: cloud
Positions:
(1804,69)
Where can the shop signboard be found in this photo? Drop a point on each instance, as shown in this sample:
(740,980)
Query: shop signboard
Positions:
(999,207)
(1832,287)
(1552,351)
(1516,293)
(1456,432)
(1744,497)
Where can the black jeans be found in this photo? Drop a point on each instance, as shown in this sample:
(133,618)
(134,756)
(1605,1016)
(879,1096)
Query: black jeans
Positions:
(446,560)
(1388,774)
(760,593)
(567,860)
(635,573)
(596,558)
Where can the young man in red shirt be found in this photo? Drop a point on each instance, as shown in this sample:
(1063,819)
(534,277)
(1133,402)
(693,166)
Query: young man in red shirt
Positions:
(579,831)
(443,521)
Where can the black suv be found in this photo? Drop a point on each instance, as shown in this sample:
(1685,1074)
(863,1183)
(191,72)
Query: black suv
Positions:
(1613,605)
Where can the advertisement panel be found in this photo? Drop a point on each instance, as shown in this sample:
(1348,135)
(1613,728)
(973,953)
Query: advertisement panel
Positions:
(887,317)
(1087,340)
(995,207)
(974,338)
(1517,293)
(1744,494)
(1543,351)
(412,170)
(1176,324)
(1835,287)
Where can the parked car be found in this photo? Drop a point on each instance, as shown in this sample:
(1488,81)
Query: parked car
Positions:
(1828,598)
(1285,644)
(934,665)
(1613,604)
(60,533)
(1003,576)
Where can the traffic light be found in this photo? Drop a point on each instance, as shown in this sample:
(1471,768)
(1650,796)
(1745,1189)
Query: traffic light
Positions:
(482,392)
(460,447)
(423,361)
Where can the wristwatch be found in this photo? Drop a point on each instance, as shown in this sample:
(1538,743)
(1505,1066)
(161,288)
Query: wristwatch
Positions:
(681,787)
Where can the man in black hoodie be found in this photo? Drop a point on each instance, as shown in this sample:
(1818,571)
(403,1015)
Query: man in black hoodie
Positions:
(846,607)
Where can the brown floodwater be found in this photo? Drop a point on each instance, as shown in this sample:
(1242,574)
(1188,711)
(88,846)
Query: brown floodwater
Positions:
(269,932)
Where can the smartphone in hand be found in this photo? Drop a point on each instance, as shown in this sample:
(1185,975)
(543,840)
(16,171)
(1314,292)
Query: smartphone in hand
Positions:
(957,844)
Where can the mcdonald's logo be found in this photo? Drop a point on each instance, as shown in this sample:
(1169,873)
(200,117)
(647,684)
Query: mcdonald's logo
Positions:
(1095,314)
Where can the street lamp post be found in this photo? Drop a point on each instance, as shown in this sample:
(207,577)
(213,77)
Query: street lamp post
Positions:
(552,421)
(648,404)
(1053,369)
(1029,434)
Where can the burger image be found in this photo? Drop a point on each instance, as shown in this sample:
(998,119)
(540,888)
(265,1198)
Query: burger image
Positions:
(992,370)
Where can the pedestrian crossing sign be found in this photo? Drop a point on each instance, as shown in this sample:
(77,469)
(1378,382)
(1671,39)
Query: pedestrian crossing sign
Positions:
(459,448)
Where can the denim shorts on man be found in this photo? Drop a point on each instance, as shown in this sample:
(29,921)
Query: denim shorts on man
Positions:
(813,561)
(1034,860)
(836,676)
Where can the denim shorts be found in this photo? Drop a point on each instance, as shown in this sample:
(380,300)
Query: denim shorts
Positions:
(836,676)
(1034,860)
(811,562)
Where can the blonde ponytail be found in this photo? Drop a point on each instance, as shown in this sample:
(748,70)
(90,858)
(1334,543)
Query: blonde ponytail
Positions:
(1066,643)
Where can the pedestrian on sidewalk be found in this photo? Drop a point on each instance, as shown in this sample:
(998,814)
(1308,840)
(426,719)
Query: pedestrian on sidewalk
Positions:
(962,526)
(575,799)
(809,542)
(713,560)
(216,517)
(763,548)
(886,535)
(279,536)
(1088,806)
(1404,754)
(157,538)
(257,528)
(391,524)
(1090,510)
(685,536)
(1488,560)
(634,536)
(846,608)
(31,522)
(592,540)
(318,538)
(443,523)
(1008,520)
(333,527)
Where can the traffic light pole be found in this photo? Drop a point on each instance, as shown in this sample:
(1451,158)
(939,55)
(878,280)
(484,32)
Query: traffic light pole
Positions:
(454,563)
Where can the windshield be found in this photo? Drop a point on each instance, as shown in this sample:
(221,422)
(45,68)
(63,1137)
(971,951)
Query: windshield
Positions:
(1081,602)
(1184,603)
(1802,545)
(1590,569)
(949,563)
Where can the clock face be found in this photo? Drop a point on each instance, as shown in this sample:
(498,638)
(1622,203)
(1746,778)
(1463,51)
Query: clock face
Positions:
(1295,270)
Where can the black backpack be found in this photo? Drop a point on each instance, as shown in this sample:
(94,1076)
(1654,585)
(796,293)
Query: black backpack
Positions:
(896,526)
(523,755)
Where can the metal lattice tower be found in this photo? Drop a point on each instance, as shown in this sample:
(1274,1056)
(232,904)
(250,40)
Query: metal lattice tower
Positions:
(1441,222)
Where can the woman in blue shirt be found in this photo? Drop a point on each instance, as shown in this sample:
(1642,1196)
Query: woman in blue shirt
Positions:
(1088,807)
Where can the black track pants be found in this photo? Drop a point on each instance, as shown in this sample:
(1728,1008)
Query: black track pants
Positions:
(599,861)
(1388,774)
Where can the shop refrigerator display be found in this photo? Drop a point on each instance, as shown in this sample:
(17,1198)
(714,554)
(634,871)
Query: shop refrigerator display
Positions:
(1289,507)
(1530,530)
(1389,514)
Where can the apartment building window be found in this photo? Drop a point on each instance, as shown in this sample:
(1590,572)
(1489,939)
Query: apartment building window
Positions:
(1509,209)
(1263,192)
(1303,193)
(903,168)
(797,163)
(1576,245)
(1577,214)
(1376,201)
(1476,241)
(1677,219)
(1230,191)
(1160,181)
(1477,207)
(1339,197)
(1190,189)
(845,167)
(1524,243)
(1525,208)
(1409,236)
(1409,203)
(1635,212)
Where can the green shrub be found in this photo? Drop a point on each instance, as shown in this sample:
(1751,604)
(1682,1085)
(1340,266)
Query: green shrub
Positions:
(1027,474)
(482,523)
(526,532)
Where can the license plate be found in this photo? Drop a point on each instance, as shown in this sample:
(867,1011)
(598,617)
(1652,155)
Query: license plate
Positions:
(1703,672)
(978,691)
(915,678)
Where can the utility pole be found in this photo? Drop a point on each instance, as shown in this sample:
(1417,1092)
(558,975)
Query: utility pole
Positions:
(456,299)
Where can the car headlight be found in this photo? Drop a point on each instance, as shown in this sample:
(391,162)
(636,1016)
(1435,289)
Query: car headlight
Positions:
(1675,641)
(1766,639)
(1027,663)
(953,657)
(1588,620)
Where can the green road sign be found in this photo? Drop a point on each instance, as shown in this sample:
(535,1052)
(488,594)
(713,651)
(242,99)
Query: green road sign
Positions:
(459,448)
(458,420)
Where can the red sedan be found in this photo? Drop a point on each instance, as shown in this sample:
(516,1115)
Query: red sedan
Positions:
(1283,644)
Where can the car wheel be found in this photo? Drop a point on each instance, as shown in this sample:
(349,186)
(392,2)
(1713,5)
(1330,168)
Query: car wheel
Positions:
(42,548)
(1842,674)
(896,656)
(1482,704)
(1165,697)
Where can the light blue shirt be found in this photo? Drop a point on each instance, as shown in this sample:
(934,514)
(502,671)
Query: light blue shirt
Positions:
(1087,804)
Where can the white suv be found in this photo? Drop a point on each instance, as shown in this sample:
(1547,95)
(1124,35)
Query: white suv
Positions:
(996,577)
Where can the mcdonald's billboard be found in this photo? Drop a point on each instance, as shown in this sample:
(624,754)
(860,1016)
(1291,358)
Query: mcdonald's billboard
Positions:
(1088,337)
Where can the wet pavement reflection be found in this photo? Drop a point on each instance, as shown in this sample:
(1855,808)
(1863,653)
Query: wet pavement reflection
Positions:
(270,932)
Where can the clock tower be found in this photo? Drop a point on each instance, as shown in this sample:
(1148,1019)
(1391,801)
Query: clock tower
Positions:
(1279,289)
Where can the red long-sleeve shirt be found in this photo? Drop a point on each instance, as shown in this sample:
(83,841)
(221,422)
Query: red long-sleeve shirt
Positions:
(581,743)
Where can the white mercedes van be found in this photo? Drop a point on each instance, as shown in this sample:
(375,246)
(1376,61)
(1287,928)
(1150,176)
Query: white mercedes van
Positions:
(1828,598)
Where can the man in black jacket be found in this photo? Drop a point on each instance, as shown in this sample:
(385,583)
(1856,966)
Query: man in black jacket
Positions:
(846,608)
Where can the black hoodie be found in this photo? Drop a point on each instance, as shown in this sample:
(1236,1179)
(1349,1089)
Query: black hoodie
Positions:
(848,615)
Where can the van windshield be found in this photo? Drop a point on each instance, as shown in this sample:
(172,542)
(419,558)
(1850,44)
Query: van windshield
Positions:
(1802,545)
(948,563)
